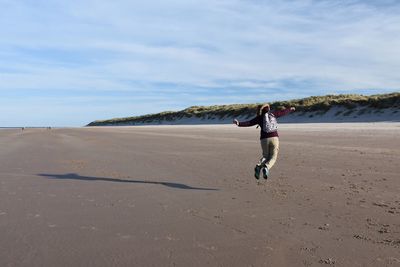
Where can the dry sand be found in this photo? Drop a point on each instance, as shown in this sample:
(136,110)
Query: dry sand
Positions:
(186,196)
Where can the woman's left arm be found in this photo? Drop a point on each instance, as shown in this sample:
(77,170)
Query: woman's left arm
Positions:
(284,112)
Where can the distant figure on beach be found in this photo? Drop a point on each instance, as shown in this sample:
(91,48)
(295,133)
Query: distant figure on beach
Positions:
(268,136)
(23,128)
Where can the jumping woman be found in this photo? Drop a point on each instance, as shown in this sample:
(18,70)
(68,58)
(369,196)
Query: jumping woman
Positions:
(268,136)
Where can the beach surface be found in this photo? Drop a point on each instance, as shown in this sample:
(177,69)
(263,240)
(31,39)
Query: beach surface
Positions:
(186,196)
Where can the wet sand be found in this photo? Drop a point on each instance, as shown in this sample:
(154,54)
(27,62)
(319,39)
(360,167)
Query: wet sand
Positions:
(186,196)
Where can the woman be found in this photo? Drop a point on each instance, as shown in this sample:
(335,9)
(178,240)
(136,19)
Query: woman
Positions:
(268,136)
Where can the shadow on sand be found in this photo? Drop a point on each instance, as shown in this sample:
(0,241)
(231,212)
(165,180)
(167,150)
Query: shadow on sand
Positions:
(74,176)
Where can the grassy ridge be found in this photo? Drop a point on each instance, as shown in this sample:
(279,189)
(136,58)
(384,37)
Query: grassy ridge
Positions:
(309,104)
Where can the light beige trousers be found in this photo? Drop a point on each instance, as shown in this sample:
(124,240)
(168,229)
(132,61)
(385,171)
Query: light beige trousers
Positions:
(270,149)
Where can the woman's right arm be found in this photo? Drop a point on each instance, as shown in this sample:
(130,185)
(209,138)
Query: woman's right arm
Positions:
(249,123)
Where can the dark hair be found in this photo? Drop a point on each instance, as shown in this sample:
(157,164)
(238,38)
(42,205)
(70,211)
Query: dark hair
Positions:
(258,109)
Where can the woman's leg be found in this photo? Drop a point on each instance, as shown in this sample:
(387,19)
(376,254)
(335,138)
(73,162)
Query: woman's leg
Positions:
(273,150)
(260,165)
(265,150)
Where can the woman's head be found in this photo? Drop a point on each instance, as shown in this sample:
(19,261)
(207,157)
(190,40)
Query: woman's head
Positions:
(262,109)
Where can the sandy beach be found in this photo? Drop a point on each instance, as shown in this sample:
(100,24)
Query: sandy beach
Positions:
(186,196)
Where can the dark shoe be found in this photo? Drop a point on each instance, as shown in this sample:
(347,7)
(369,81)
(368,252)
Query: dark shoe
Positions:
(257,171)
(265,172)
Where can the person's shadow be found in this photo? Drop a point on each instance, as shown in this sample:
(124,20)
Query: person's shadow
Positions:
(74,176)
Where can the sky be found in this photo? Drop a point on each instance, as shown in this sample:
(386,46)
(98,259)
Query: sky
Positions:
(67,63)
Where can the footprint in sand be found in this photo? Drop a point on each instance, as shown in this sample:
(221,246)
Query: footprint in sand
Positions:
(169,237)
(122,236)
(93,228)
(75,164)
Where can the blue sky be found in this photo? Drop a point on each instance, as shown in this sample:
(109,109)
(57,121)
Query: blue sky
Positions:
(66,63)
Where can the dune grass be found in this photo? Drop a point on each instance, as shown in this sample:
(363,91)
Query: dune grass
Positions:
(319,104)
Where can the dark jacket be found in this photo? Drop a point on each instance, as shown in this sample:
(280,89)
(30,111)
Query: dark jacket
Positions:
(259,120)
